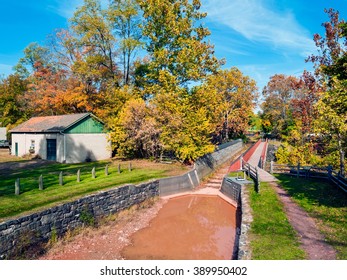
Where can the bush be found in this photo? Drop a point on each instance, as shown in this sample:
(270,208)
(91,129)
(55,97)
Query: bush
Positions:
(305,155)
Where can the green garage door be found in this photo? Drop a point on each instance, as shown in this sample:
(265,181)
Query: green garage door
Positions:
(52,149)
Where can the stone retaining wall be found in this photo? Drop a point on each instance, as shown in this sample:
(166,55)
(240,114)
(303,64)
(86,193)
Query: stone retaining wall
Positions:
(39,227)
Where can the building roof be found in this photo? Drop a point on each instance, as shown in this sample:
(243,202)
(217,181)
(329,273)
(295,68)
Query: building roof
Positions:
(50,124)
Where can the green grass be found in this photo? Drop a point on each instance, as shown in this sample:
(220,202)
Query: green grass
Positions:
(236,174)
(324,202)
(272,237)
(31,198)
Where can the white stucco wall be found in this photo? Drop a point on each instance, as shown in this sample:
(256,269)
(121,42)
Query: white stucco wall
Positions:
(80,147)
(24,141)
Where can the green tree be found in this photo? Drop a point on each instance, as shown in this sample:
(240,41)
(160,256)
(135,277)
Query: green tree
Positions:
(33,54)
(97,65)
(178,54)
(236,96)
(124,14)
(13,110)
(135,132)
(185,123)
(176,41)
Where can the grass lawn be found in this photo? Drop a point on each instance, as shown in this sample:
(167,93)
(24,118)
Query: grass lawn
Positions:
(324,202)
(272,237)
(31,198)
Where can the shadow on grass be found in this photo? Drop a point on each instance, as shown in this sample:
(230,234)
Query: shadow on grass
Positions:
(316,192)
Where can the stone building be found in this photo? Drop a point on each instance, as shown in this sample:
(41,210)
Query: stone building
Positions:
(65,138)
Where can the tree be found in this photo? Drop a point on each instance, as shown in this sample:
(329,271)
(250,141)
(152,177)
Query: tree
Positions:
(98,63)
(13,110)
(177,55)
(185,123)
(236,98)
(124,14)
(304,101)
(278,93)
(331,57)
(53,92)
(33,53)
(135,132)
(176,42)
(332,120)
(330,67)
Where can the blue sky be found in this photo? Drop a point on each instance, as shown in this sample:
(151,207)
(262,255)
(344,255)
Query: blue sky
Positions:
(260,37)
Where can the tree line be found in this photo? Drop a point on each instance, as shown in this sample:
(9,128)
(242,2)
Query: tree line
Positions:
(146,68)
(309,113)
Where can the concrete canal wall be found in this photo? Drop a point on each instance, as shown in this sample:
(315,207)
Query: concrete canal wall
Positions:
(203,167)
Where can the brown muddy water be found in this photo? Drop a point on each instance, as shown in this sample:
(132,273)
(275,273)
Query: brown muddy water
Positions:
(189,227)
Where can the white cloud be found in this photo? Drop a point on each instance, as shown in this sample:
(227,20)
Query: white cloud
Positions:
(66,8)
(257,22)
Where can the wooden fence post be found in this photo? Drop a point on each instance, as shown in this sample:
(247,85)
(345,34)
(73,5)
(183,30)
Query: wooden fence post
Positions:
(298,171)
(93,173)
(119,168)
(272,167)
(41,183)
(261,162)
(256,180)
(61,179)
(78,175)
(17,186)
(330,171)
(130,166)
(106,170)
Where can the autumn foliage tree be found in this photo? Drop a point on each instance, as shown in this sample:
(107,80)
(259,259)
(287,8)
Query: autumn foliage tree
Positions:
(135,132)
(178,55)
(278,94)
(330,68)
(12,110)
(173,98)
(234,101)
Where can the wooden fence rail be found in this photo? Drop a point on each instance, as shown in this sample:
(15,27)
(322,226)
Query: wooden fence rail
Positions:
(251,172)
(310,172)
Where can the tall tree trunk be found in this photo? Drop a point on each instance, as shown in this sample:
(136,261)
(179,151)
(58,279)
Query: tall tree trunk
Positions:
(227,127)
(124,68)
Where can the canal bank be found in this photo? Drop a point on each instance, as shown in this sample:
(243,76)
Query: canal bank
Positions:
(49,224)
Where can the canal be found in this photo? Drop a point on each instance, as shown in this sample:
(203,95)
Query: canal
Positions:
(198,227)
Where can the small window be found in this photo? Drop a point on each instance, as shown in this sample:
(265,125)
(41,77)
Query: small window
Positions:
(32,147)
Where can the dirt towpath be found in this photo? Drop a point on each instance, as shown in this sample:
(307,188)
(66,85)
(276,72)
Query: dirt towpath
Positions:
(312,241)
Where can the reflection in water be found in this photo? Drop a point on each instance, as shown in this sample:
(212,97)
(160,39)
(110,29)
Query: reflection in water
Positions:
(187,227)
